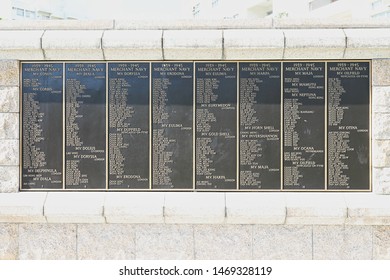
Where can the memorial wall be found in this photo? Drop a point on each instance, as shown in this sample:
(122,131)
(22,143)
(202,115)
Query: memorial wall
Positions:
(258,126)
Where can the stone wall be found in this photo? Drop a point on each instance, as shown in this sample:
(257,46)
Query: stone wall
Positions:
(157,225)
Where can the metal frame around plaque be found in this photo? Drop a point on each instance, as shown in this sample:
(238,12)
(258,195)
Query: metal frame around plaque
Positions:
(194,125)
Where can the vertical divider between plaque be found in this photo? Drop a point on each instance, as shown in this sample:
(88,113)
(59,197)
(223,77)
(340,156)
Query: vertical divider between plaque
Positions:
(63,127)
(238,127)
(150,127)
(281,127)
(370,124)
(326,127)
(193,127)
(107,129)
(21,127)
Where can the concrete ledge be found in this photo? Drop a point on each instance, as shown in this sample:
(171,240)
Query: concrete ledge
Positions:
(373,43)
(310,23)
(253,44)
(315,208)
(22,207)
(56,24)
(318,43)
(192,44)
(194,208)
(368,209)
(134,207)
(19,44)
(255,208)
(132,44)
(73,45)
(74,207)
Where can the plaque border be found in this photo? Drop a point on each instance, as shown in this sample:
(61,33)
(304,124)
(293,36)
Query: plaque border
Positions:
(150,189)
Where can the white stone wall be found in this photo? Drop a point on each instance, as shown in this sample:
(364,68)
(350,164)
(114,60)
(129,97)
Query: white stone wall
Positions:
(157,225)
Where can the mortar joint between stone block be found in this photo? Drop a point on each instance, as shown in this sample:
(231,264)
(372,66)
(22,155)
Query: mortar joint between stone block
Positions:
(162,44)
(346,42)
(41,41)
(101,45)
(284,44)
(223,45)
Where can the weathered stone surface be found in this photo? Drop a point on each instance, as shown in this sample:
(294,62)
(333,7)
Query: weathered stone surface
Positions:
(381,243)
(380,126)
(56,24)
(9,73)
(380,70)
(315,208)
(367,43)
(74,207)
(9,126)
(20,44)
(381,99)
(381,180)
(22,207)
(318,43)
(223,242)
(9,152)
(142,207)
(73,45)
(9,179)
(255,208)
(314,23)
(342,242)
(203,24)
(368,209)
(47,242)
(8,241)
(164,242)
(197,208)
(9,99)
(105,242)
(381,153)
(133,44)
(253,44)
(192,44)
(290,242)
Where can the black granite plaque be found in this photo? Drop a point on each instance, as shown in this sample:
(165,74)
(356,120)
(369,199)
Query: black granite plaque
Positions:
(348,125)
(172,121)
(304,125)
(128,118)
(42,153)
(260,95)
(216,125)
(85,125)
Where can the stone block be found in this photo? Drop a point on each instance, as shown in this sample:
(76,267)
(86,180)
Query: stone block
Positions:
(381,153)
(9,126)
(47,242)
(223,242)
(318,43)
(194,24)
(9,152)
(9,99)
(253,44)
(255,208)
(289,242)
(381,243)
(105,242)
(74,207)
(381,126)
(134,207)
(368,209)
(194,208)
(9,179)
(381,180)
(56,24)
(342,242)
(73,45)
(132,45)
(164,242)
(315,23)
(315,208)
(367,43)
(192,44)
(9,73)
(21,44)
(8,241)
(381,99)
(380,72)
(22,207)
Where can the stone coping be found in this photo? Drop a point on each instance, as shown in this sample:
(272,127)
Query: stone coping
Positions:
(196,208)
(195,44)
